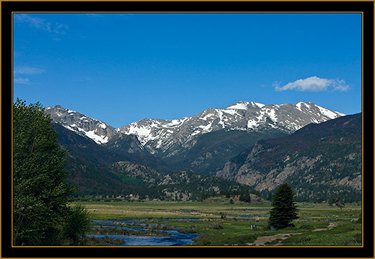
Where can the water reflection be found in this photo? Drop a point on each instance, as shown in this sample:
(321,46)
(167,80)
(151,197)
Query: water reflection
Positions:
(172,238)
(176,239)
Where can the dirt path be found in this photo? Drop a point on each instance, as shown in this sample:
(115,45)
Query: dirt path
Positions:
(329,227)
(261,241)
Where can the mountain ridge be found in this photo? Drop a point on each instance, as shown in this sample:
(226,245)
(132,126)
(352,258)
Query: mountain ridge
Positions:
(202,142)
(211,119)
(259,157)
(162,136)
(97,130)
(319,160)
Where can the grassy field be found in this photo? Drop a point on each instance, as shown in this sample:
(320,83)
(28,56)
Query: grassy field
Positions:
(223,223)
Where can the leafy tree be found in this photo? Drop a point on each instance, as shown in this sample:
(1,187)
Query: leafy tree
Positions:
(40,190)
(284,209)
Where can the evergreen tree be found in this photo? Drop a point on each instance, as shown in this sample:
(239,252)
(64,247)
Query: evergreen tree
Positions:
(40,190)
(76,226)
(284,209)
(245,197)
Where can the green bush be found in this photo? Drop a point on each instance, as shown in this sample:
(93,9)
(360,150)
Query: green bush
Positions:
(306,227)
(76,226)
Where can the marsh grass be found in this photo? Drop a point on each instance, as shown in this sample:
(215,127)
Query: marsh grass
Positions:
(232,229)
(345,234)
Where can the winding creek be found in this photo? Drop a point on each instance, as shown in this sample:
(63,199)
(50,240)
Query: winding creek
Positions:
(156,232)
(172,237)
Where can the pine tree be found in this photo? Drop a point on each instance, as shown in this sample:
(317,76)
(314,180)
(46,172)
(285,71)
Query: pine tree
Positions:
(245,196)
(284,209)
(40,190)
(77,225)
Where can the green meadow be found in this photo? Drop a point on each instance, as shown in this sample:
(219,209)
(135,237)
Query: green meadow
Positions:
(224,224)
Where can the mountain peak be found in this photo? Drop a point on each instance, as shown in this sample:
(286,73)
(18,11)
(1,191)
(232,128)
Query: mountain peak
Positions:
(94,129)
(260,105)
(306,106)
(242,105)
(198,140)
(160,136)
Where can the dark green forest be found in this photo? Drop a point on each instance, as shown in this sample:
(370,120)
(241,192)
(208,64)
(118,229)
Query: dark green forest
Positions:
(41,192)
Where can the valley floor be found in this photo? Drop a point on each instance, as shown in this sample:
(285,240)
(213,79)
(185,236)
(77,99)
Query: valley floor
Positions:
(220,223)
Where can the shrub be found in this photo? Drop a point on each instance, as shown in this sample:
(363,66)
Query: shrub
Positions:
(76,226)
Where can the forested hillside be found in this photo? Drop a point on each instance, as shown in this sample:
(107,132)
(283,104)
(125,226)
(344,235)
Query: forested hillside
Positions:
(182,185)
(320,161)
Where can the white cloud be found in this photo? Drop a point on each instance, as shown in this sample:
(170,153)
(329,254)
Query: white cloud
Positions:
(25,70)
(41,24)
(20,71)
(313,84)
(23,81)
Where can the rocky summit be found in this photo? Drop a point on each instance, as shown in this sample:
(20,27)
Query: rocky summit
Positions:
(168,136)
(202,142)
(94,129)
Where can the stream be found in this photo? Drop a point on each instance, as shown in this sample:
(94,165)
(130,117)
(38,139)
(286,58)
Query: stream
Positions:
(173,237)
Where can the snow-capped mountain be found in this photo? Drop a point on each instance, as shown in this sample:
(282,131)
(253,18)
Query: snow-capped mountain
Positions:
(94,129)
(327,156)
(203,142)
(246,142)
(160,136)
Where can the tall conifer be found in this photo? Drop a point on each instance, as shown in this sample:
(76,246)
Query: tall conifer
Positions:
(284,209)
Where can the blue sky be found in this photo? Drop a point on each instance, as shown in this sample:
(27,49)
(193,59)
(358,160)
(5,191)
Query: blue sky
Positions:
(120,68)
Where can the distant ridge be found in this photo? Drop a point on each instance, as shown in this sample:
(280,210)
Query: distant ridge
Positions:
(160,136)
(202,142)
(319,161)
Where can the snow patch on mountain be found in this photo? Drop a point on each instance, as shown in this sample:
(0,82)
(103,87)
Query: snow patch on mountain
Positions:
(94,129)
(97,138)
(139,131)
(231,112)
(252,124)
(162,135)
(299,105)
(158,135)
(328,113)
(260,105)
(238,106)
